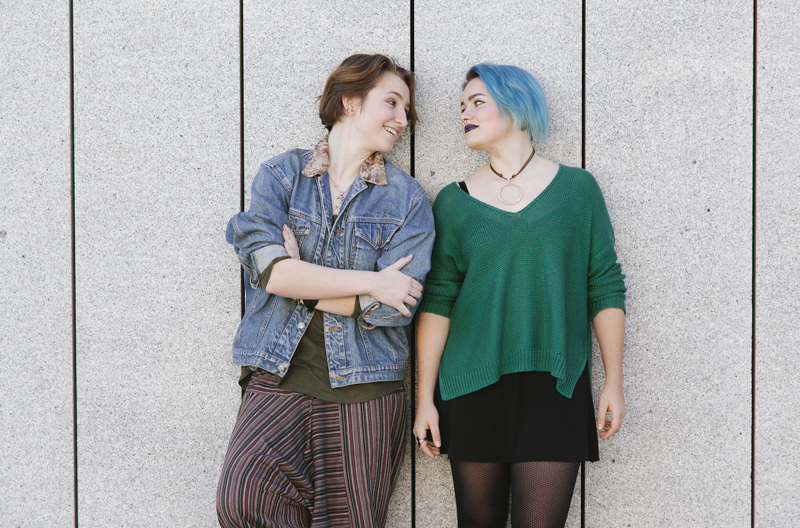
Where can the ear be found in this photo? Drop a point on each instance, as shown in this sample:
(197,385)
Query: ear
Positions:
(350,105)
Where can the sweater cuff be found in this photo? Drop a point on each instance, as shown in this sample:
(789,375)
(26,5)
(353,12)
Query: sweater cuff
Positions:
(612,301)
(438,308)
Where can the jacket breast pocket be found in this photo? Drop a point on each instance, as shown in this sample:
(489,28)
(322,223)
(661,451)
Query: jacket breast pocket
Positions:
(370,239)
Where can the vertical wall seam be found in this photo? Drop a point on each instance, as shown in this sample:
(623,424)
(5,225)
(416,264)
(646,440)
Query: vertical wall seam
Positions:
(72,263)
(583,165)
(753,279)
(412,342)
(241,141)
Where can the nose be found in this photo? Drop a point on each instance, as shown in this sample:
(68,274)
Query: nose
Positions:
(466,115)
(401,118)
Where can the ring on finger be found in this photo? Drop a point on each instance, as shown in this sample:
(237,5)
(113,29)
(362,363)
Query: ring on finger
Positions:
(420,440)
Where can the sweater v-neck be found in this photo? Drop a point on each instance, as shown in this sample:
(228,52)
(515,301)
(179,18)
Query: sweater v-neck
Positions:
(530,204)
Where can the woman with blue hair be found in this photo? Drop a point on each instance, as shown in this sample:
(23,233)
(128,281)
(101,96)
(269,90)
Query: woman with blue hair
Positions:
(523,263)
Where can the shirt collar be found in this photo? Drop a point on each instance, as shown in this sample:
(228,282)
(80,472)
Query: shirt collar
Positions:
(372,170)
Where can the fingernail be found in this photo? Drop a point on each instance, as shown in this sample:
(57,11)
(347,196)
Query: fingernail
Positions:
(438,444)
(599,427)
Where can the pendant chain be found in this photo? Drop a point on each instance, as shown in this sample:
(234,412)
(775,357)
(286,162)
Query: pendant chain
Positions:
(506,200)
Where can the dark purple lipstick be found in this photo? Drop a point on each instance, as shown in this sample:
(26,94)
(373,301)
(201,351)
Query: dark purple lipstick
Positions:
(469,127)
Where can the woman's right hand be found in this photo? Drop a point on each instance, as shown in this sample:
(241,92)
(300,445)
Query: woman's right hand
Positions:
(396,289)
(428,420)
(290,242)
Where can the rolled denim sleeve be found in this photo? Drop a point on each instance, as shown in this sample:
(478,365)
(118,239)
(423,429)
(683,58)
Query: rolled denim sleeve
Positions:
(415,237)
(257,234)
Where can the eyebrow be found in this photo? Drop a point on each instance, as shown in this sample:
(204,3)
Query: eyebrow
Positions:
(399,96)
(471,97)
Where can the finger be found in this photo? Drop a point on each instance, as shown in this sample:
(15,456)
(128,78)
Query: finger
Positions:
(402,309)
(416,285)
(437,438)
(415,293)
(601,416)
(429,450)
(410,301)
(399,263)
(291,250)
(616,422)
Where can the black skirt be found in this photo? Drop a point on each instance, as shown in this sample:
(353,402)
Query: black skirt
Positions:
(521,418)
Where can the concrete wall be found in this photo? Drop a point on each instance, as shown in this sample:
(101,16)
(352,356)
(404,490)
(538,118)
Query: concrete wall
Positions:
(117,392)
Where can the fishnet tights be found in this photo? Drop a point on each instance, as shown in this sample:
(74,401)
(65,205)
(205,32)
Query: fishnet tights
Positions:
(540,493)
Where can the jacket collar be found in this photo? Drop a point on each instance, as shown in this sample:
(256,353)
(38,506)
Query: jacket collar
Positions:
(372,170)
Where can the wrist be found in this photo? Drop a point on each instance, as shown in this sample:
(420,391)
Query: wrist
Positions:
(424,398)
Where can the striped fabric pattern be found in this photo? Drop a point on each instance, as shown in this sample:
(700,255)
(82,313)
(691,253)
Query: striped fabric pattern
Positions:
(295,461)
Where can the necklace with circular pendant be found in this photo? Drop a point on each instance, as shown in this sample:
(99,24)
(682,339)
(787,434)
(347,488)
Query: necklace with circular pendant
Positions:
(511,193)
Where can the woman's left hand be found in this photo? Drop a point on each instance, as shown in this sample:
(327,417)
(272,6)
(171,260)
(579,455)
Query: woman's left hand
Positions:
(612,401)
(290,242)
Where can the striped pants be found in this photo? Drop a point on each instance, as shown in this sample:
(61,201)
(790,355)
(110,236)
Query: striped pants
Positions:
(296,461)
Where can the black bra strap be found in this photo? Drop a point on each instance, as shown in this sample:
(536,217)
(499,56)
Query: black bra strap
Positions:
(463,186)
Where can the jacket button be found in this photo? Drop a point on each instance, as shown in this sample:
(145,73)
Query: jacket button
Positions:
(281,368)
(301,325)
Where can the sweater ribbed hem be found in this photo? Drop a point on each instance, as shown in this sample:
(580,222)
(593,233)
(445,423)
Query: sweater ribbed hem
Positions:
(455,385)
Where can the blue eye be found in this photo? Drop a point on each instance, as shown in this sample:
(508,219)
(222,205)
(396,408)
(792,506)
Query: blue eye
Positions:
(391,102)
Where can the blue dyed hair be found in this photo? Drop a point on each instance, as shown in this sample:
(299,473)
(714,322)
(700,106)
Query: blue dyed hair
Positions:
(516,93)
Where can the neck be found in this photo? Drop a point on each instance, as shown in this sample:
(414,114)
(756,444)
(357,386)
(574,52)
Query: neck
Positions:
(509,154)
(344,154)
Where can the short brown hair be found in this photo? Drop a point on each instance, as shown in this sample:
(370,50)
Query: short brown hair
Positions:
(355,77)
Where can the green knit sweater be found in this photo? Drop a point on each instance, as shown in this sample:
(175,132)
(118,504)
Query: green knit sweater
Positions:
(520,289)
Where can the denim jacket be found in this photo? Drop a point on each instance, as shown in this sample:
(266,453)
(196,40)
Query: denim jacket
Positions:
(385,216)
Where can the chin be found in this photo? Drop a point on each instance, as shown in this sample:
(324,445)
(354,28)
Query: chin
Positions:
(386,148)
(473,144)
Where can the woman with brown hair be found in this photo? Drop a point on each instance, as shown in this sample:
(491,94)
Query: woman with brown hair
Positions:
(336,245)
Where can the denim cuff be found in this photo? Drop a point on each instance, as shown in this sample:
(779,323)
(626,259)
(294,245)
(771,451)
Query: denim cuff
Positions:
(262,258)
(365,301)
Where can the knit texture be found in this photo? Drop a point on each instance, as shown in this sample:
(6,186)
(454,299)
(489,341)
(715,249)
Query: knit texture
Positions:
(520,289)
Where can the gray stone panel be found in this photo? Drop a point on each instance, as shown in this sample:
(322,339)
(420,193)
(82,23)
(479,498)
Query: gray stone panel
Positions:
(290,48)
(777,466)
(157,177)
(450,36)
(669,102)
(36,430)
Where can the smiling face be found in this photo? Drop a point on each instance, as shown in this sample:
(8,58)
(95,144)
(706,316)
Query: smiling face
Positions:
(481,120)
(381,116)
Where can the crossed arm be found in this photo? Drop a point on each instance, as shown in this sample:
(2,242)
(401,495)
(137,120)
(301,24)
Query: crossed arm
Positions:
(336,290)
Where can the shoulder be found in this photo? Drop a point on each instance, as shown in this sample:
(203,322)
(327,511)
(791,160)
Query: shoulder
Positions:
(398,181)
(447,198)
(579,181)
(576,175)
(285,168)
(450,209)
(291,161)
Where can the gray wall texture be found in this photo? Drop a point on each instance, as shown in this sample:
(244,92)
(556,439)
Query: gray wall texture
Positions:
(130,132)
